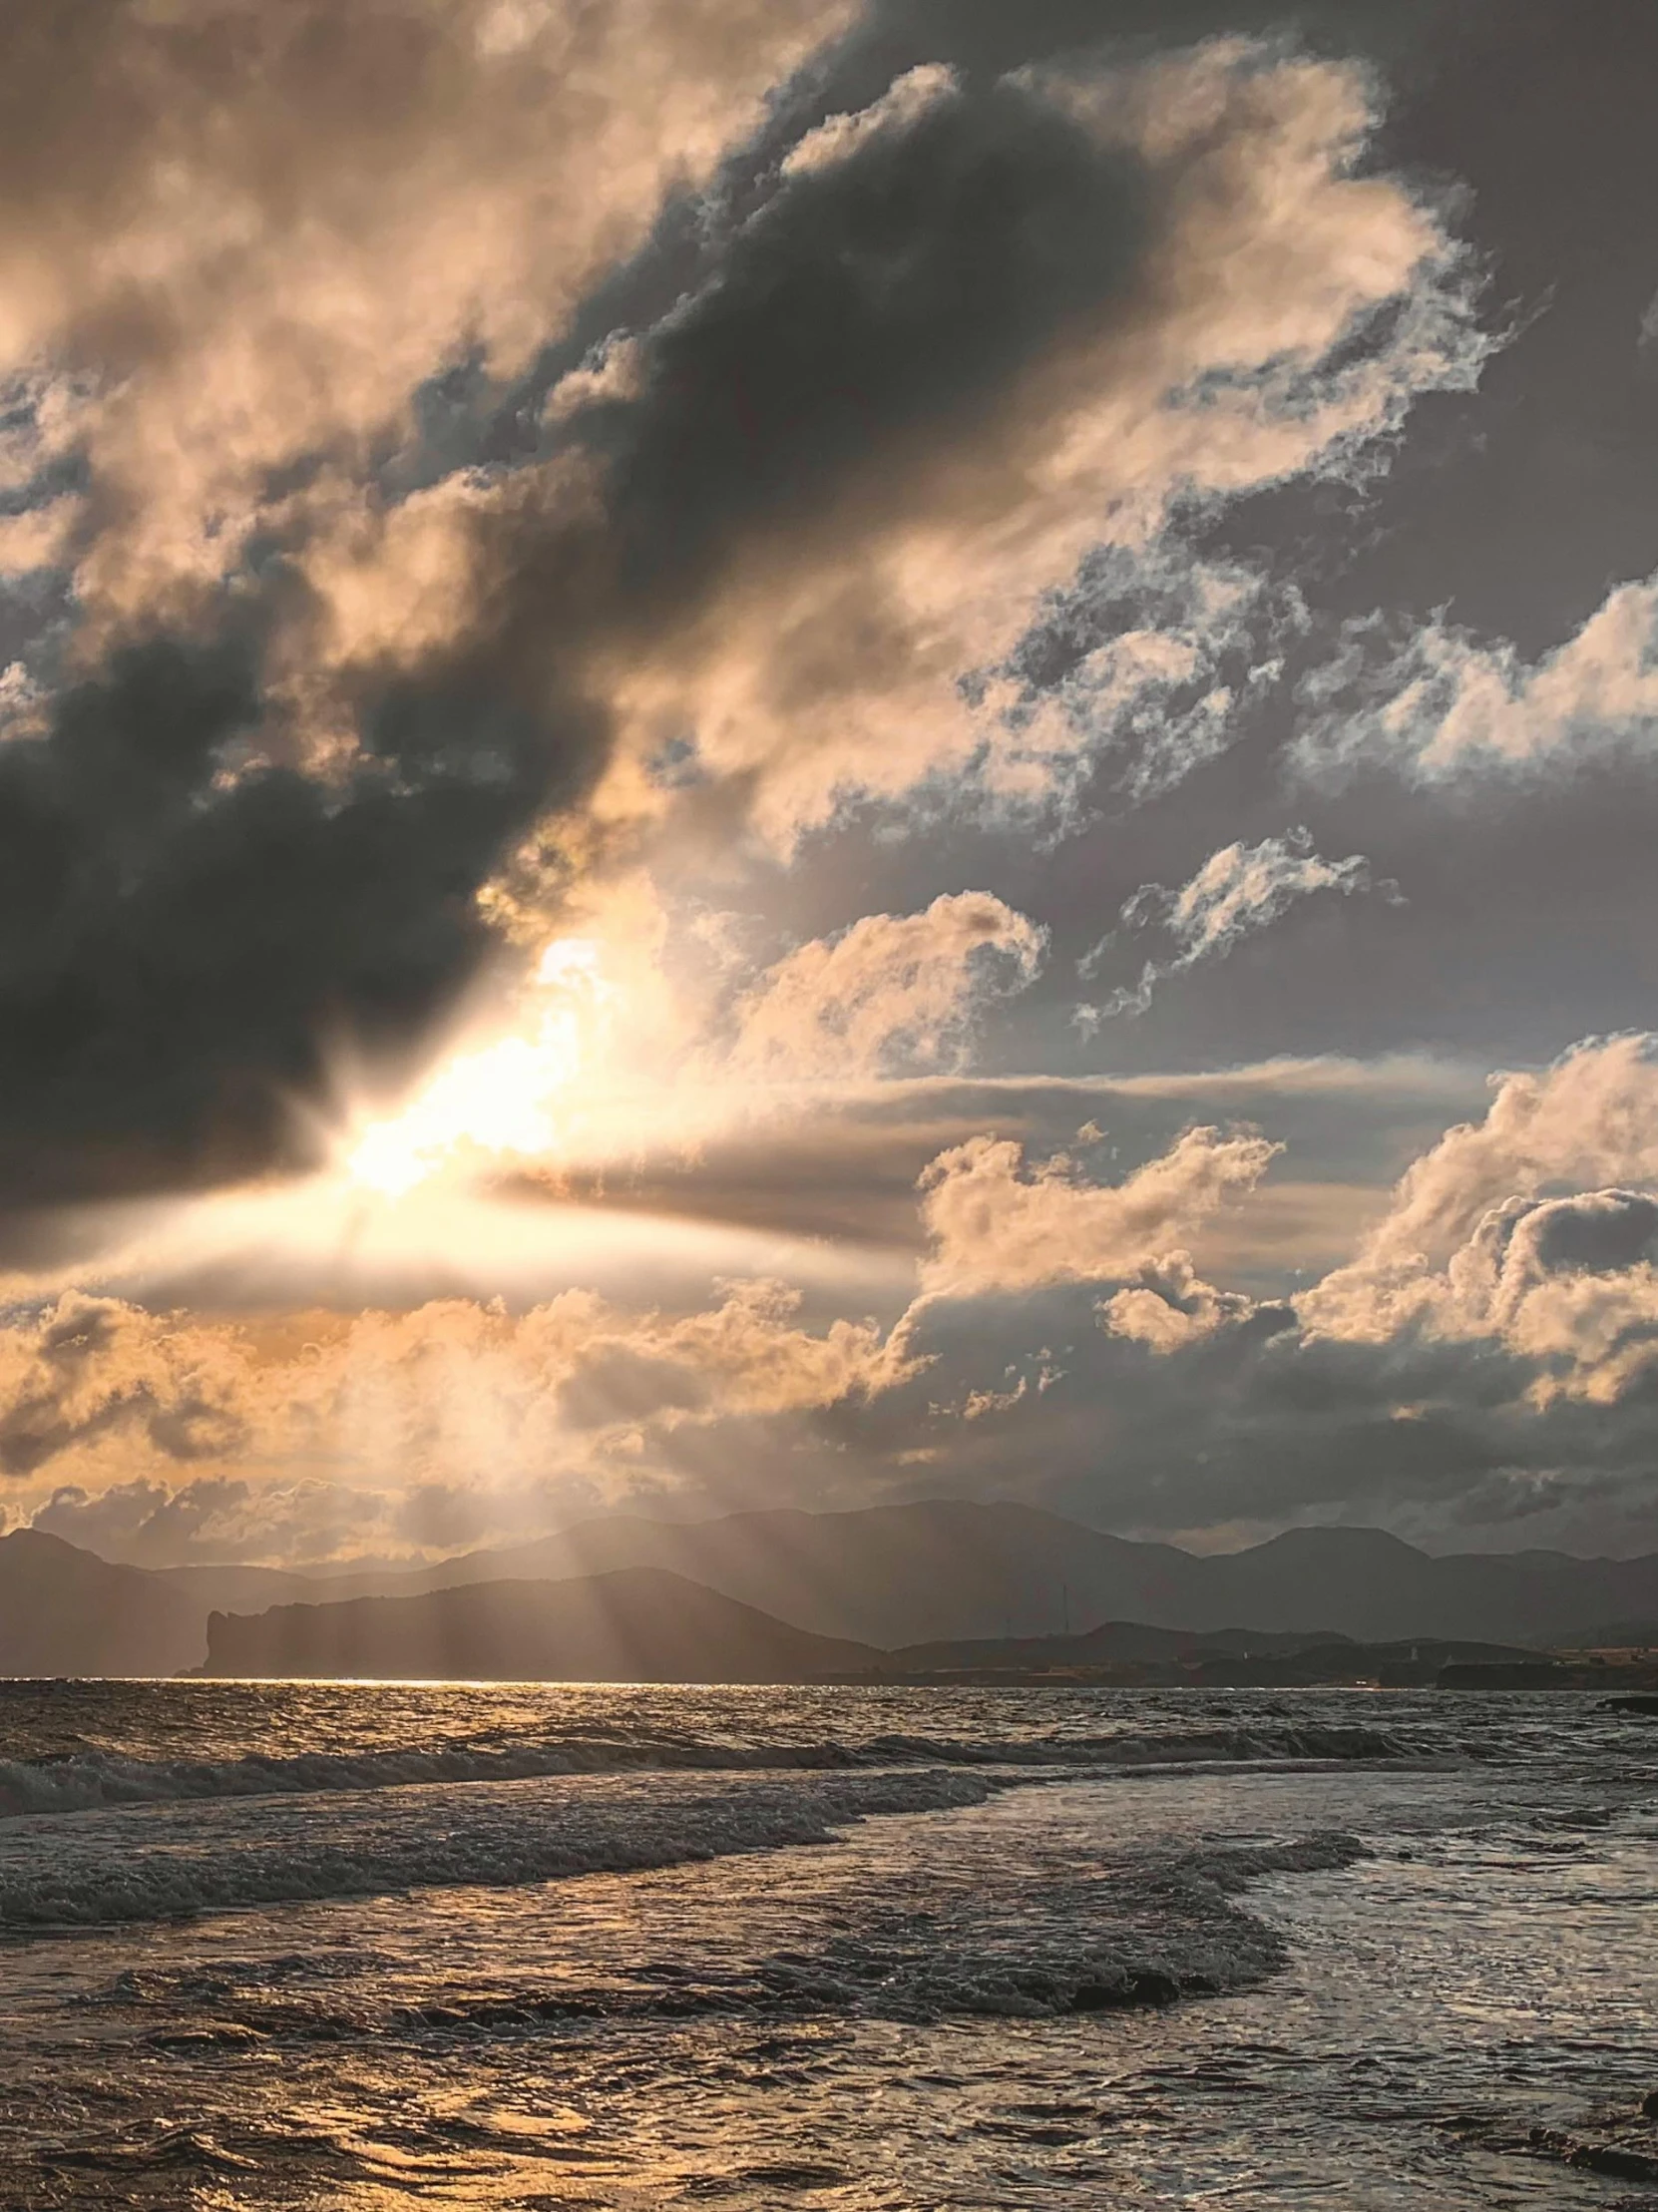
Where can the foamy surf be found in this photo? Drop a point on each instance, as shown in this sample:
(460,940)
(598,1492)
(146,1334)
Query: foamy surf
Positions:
(164,1862)
(1093,1949)
(90,1780)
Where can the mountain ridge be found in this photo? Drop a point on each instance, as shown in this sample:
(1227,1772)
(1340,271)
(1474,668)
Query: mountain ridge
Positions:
(65,1611)
(930,1572)
(635,1625)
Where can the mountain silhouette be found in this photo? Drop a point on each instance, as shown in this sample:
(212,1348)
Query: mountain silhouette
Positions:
(946,1570)
(640,1624)
(66,1611)
(937,1571)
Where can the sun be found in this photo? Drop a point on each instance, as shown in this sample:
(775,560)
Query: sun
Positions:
(498,1099)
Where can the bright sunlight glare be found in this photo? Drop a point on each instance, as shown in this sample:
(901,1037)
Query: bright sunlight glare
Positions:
(496,1101)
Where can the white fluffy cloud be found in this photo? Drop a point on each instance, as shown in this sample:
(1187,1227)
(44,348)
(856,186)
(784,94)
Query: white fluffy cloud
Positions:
(1237,891)
(997,1225)
(907,98)
(1590,1119)
(97,1393)
(876,651)
(1568,1284)
(891,990)
(1447,706)
(238,237)
(1170,1307)
(1506,1230)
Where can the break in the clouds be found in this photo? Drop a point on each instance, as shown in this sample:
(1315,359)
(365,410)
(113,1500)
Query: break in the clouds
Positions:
(600,612)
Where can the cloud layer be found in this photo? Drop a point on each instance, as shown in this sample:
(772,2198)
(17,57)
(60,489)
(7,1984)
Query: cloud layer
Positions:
(406,588)
(795,517)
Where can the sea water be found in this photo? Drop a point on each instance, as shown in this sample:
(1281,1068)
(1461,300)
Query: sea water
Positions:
(358,1946)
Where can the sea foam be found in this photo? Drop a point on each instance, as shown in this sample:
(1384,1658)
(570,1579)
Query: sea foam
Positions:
(90,1780)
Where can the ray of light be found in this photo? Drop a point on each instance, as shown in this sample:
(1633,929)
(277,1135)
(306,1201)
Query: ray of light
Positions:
(330,1241)
(495,1101)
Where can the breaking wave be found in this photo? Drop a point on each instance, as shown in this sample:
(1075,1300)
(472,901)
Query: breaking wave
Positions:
(90,1780)
(1103,1932)
(173,1865)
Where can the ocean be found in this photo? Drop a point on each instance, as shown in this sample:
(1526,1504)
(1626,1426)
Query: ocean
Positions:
(346,1945)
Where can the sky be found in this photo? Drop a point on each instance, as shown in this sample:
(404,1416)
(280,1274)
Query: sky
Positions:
(787,752)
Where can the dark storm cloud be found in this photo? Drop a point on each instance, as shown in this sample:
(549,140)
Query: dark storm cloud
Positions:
(177,953)
(870,308)
(142,1522)
(178,973)
(1251,1427)
(180,952)
(232,241)
(175,956)
(198,903)
(851,332)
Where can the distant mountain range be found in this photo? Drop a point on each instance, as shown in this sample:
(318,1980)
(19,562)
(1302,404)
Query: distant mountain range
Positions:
(641,1623)
(66,1611)
(947,1569)
(637,1624)
(890,1576)
(1128,1653)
